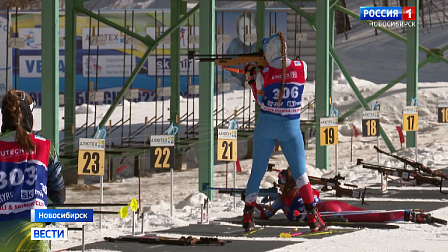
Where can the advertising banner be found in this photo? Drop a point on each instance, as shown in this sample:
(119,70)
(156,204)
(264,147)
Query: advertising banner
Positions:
(5,64)
(119,56)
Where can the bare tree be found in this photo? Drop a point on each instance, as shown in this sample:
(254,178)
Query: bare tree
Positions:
(341,20)
(385,2)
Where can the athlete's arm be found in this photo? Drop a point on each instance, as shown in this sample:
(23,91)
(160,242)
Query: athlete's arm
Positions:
(56,185)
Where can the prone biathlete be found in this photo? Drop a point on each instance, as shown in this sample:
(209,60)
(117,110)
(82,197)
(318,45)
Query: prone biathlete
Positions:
(278,88)
(292,205)
(30,174)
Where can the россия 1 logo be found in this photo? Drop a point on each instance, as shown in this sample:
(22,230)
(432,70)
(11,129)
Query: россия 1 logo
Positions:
(382,16)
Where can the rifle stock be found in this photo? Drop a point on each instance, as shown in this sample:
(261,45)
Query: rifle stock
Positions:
(414,164)
(256,58)
(335,185)
(405,175)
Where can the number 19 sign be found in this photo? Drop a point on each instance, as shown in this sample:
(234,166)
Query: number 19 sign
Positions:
(91,156)
(227,144)
(329,131)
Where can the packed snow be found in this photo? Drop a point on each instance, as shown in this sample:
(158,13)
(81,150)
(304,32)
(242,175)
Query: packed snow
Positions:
(155,189)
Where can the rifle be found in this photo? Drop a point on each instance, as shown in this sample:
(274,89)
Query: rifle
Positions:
(404,174)
(416,165)
(256,59)
(269,194)
(334,184)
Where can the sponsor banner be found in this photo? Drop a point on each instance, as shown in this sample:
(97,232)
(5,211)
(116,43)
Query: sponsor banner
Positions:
(91,144)
(114,38)
(107,65)
(31,66)
(162,140)
(62,215)
(161,66)
(33,38)
(188,36)
(5,69)
(49,233)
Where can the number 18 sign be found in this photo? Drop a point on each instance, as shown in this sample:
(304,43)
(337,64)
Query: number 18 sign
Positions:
(329,131)
(91,156)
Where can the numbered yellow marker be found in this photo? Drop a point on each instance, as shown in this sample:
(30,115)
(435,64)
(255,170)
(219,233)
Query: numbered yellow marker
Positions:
(371,123)
(442,111)
(162,151)
(329,131)
(91,156)
(410,118)
(227,145)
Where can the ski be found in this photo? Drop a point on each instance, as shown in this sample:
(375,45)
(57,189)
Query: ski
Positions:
(261,222)
(183,241)
(296,233)
(250,232)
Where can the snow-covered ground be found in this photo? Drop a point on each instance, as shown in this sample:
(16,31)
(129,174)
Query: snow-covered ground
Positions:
(359,53)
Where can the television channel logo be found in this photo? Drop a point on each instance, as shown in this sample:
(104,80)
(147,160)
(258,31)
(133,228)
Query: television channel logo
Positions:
(388,16)
(49,234)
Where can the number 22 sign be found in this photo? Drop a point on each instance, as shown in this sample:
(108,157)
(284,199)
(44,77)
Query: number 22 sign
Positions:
(162,151)
(91,156)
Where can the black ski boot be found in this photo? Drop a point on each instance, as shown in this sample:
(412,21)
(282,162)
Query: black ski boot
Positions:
(248,221)
(314,219)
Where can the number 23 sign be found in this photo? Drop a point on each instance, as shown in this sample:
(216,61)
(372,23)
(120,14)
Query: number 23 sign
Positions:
(162,151)
(91,156)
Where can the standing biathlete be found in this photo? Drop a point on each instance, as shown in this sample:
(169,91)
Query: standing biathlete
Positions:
(29,174)
(278,88)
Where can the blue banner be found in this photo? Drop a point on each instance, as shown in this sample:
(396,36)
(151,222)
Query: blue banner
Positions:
(380,13)
(62,215)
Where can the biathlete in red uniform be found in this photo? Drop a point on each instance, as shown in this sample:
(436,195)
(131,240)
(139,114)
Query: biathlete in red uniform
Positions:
(293,206)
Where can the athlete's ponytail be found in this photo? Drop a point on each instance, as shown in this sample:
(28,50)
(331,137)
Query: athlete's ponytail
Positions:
(282,90)
(13,104)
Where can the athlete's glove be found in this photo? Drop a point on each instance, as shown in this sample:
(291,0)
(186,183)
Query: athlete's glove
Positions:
(250,73)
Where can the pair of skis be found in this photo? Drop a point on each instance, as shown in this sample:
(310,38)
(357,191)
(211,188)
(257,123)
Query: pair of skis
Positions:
(297,233)
(183,241)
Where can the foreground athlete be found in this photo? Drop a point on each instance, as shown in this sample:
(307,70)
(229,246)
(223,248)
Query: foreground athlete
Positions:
(30,173)
(278,88)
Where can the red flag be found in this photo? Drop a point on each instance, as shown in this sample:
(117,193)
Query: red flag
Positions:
(119,169)
(356,131)
(238,166)
(400,133)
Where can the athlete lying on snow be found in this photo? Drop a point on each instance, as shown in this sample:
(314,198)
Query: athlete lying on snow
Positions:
(293,207)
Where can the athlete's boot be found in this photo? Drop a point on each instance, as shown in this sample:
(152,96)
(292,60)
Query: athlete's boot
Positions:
(314,219)
(248,221)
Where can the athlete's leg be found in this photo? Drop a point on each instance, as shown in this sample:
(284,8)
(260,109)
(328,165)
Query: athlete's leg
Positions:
(339,206)
(294,150)
(263,145)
